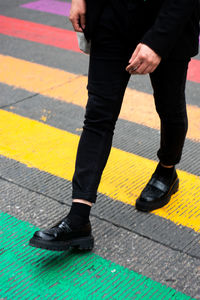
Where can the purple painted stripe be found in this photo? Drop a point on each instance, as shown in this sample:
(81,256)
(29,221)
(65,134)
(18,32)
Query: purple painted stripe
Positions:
(50,6)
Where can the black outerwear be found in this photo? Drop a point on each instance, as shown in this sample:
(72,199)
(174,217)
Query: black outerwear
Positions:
(169,27)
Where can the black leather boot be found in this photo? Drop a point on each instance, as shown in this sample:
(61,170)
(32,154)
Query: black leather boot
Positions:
(61,237)
(158,191)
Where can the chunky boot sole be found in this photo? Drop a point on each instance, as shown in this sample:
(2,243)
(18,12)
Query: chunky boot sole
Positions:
(82,243)
(142,206)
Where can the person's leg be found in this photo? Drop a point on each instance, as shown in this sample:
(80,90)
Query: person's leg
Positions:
(107,82)
(168,82)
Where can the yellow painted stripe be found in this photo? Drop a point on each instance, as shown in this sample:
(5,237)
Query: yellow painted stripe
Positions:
(138,107)
(53,150)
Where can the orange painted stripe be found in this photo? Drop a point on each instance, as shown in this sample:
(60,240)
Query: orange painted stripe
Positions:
(137,107)
(60,38)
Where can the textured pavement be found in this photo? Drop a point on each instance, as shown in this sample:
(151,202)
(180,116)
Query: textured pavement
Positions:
(42,98)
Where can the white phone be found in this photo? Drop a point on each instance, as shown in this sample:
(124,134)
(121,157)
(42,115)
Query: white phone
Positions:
(84,45)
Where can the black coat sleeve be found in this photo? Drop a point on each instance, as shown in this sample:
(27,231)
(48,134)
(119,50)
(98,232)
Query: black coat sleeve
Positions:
(169,25)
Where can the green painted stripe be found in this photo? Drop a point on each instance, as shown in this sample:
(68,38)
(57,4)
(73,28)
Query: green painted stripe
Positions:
(28,273)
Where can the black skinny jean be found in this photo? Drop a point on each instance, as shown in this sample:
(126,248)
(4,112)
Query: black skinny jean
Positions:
(107,81)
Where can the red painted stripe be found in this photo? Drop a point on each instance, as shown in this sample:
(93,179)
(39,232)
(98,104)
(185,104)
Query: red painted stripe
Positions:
(61,38)
(48,35)
(194,71)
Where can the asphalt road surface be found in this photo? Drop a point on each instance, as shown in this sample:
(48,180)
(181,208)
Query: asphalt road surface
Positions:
(43,78)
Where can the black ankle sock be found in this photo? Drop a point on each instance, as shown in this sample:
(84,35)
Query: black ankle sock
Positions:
(165,172)
(79,214)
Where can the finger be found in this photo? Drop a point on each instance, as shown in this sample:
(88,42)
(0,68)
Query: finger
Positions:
(76,24)
(137,61)
(141,68)
(134,70)
(147,70)
(82,21)
(131,68)
(134,65)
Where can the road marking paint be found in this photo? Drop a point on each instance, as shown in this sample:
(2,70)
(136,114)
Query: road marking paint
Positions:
(28,273)
(61,38)
(49,6)
(194,71)
(137,107)
(52,150)
(44,34)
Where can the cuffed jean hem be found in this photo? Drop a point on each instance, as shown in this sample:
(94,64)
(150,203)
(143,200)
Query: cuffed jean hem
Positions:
(91,197)
(168,161)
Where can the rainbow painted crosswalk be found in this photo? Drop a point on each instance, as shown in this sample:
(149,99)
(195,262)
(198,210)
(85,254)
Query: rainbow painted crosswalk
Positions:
(39,131)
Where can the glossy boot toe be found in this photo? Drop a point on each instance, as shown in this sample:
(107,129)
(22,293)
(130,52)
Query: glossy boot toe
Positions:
(61,237)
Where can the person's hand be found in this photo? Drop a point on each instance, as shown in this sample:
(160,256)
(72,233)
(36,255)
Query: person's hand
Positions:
(143,61)
(77,14)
